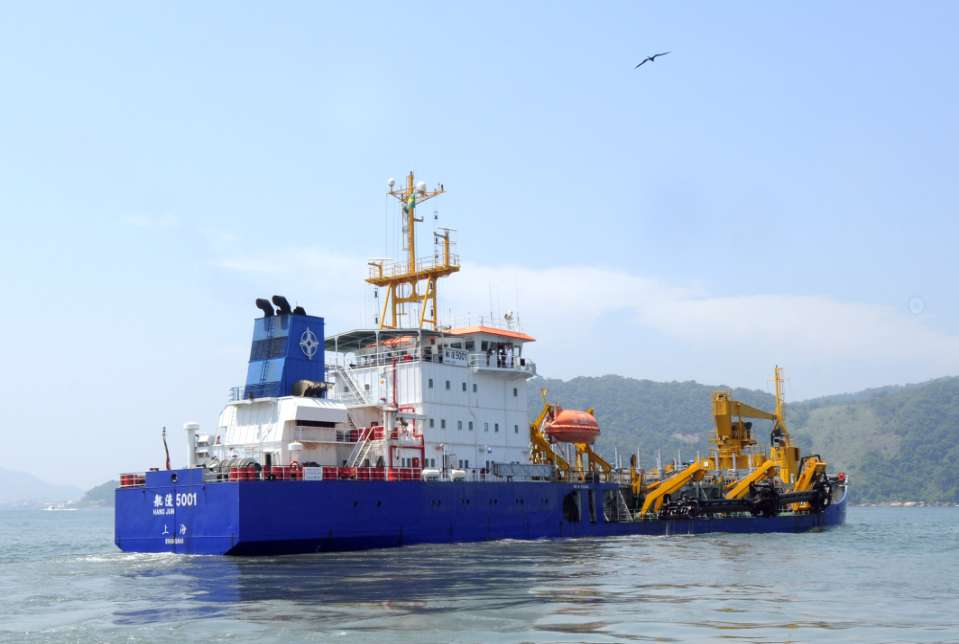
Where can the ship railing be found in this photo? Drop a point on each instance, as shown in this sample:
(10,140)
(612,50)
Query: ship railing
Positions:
(311,473)
(496,362)
(381,358)
(380,269)
(137,479)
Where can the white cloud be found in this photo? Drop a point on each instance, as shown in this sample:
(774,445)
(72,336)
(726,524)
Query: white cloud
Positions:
(593,320)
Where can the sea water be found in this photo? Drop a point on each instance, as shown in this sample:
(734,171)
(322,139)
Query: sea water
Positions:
(890,574)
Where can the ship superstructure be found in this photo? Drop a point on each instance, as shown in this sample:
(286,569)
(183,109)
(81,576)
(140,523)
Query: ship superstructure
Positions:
(412,430)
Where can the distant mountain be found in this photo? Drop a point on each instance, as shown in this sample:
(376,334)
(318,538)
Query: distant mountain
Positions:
(20,488)
(896,443)
(100,496)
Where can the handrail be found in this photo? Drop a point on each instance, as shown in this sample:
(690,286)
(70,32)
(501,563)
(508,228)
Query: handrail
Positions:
(380,269)
(503,363)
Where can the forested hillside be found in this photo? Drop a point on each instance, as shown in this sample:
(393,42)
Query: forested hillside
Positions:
(896,443)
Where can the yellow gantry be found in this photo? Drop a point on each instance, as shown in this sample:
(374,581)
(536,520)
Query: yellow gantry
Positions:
(541,450)
(413,281)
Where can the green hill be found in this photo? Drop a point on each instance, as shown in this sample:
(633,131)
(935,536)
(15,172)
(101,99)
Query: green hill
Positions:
(896,443)
(99,496)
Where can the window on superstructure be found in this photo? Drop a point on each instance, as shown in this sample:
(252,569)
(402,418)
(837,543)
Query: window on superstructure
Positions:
(515,392)
(459,424)
(496,427)
(366,386)
(474,387)
(429,383)
(432,423)
(469,425)
(516,429)
(466,463)
(447,385)
(464,385)
(485,427)
(442,423)
(470,345)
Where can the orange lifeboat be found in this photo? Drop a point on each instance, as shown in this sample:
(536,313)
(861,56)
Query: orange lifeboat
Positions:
(573,426)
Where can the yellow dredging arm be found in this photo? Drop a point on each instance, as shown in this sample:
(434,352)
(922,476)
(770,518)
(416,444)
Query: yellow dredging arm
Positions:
(654,498)
(740,488)
(812,469)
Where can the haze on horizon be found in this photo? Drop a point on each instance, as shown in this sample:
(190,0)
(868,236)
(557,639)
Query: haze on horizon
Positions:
(779,189)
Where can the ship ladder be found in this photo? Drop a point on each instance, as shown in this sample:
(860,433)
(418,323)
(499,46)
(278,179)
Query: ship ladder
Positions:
(362,448)
(356,395)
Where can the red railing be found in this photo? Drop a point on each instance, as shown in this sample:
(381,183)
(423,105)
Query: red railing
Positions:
(375,433)
(298,473)
(133,480)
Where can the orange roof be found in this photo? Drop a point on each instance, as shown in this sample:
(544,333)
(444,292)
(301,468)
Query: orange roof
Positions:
(506,333)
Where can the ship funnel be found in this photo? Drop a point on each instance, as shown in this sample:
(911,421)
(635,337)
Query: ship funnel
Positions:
(265,306)
(285,349)
(282,305)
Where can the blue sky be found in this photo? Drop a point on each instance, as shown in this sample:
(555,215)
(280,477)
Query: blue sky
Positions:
(780,188)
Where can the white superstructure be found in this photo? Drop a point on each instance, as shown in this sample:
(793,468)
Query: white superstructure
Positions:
(463,389)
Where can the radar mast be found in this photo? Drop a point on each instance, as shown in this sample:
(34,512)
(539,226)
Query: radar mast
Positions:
(413,280)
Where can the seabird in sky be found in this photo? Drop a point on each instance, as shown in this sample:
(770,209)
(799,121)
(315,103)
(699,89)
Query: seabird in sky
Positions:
(651,59)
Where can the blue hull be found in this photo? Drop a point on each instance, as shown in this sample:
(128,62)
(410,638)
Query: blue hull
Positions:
(177,512)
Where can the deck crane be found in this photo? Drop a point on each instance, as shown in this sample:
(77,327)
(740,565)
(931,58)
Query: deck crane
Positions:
(734,434)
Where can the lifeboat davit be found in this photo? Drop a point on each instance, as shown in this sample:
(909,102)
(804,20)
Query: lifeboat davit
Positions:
(573,426)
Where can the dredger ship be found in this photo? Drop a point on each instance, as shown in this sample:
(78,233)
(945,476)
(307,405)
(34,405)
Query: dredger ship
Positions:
(411,431)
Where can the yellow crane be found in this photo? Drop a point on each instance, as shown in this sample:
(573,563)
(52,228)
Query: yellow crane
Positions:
(734,434)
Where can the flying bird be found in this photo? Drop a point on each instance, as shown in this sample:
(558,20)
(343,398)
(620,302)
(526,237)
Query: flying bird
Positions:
(651,59)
